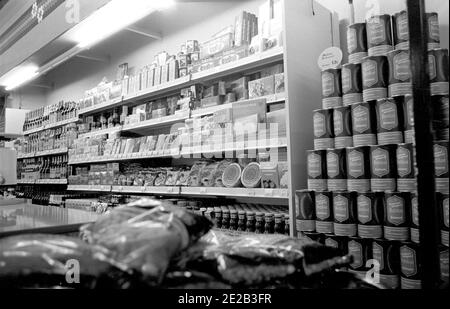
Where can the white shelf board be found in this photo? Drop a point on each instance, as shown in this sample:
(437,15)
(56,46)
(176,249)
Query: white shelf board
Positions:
(236,192)
(43,153)
(148,190)
(99,107)
(154,123)
(95,188)
(52,125)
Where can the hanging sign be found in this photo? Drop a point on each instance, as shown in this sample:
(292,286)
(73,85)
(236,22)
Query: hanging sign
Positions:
(330,58)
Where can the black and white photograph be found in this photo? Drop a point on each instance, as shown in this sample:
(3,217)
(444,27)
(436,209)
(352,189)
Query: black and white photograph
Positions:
(224,152)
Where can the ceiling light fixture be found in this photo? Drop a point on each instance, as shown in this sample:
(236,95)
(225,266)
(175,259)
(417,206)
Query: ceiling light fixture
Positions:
(114,16)
(19,76)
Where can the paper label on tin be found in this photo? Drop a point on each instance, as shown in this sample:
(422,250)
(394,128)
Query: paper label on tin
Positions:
(361,119)
(327,84)
(340,208)
(390,281)
(445,211)
(396,233)
(415,211)
(415,236)
(319,125)
(355,164)
(352,40)
(331,243)
(337,184)
(314,165)
(388,115)
(408,261)
(346,80)
(324,227)
(343,141)
(317,184)
(377,254)
(370,73)
(364,209)
(440,160)
(402,26)
(370,231)
(323,143)
(410,284)
(332,164)
(396,213)
(306,225)
(355,249)
(380,162)
(338,121)
(433,28)
(322,207)
(403,161)
(432,65)
(376,30)
(402,68)
(358,185)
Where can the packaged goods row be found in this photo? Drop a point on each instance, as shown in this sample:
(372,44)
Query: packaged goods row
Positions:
(50,115)
(244,172)
(392,216)
(53,167)
(373,168)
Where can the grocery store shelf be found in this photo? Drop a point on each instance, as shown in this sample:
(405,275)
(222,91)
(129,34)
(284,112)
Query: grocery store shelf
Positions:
(155,123)
(280,143)
(248,63)
(100,132)
(194,191)
(52,125)
(43,153)
(42,181)
(96,188)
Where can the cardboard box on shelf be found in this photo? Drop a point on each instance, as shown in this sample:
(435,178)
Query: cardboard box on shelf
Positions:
(261,87)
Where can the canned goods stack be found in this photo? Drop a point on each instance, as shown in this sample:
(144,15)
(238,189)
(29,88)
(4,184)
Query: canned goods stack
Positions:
(361,195)
(261,219)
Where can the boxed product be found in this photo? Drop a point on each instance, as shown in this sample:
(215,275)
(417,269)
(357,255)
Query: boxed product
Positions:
(151,76)
(283,170)
(192,46)
(211,101)
(157,76)
(172,178)
(216,45)
(261,87)
(161,178)
(234,54)
(269,175)
(279,83)
(207,175)
(173,69)
(183,178)
(184,60)
(239,87)
(164,73)
(251,107)
(195,173)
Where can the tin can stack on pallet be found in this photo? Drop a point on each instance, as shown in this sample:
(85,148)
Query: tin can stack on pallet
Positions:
(362,185)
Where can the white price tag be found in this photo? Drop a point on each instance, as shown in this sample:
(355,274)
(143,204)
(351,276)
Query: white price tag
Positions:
(330,58)
(251,193)
(169,190)
(268,192)
(203,190)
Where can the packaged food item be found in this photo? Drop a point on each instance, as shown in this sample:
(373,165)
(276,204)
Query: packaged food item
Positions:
(371,207)
(269,175)
(400,29)
(364,124)
(441,151)
(406,168)
(345,213)
(305,210)
(375,74)
(387,253)
(434,38)
(389,121)
(279,83)
(342,123)
(251,176)
(172,177)
(317,170)
(336,169)
(379,35)
(324,212)
(231,176)
(261,87)
(438,62)
(383,168)
(357,42)
(195,173)
(399,73)
(323,129)
(351,84)
(331,88)
(410,266)
(358,169)
(397,216)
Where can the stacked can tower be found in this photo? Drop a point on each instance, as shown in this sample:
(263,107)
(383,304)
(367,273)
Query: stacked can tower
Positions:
(361,194)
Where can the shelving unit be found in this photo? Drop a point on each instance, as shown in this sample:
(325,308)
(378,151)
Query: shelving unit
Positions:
(43,153)
(52,125)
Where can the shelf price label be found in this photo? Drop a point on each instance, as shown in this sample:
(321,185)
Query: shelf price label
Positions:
(203,190)
(330,58)
(268,192)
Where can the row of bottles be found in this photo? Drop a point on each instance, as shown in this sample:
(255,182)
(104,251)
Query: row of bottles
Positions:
(50,139)
(53,167)
(50,114)
(39,195)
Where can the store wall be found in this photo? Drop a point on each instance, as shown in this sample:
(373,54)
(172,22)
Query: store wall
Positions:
(28,97)
(187,21)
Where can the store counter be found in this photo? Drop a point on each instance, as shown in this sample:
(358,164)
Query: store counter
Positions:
(26,218)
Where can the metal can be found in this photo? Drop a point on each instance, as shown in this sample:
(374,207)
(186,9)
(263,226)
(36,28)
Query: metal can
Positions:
(415,237)
(361,250)
(441,166)
(342,121)
(440,113)
(383,165)
(387,254)
(438,62)
(305,210)
(379,35)
(331,88)
(338,242)
(345,213)
(336,169)
(442,200)
(357,42)
(375,74)
(406,168)
(317,170)
(324,212)
(434,38)
(323,129)
(317,237)
(410,266)
(370,214)
(399,73)
(351,84)
(397,216)
(389,121)
(401,30)
(358,169)
(364,124)
(408,109)
(444,262)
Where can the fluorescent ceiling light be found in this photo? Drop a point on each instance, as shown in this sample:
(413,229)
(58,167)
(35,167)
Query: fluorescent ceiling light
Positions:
(114,16)
(19,76)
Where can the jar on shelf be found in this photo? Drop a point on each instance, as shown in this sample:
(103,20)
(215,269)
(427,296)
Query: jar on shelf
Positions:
(287,225)
(251,222)
(279,223)
(242,224)
(225,218)
(218,216)
(259,225)
(269,227)
(233,219)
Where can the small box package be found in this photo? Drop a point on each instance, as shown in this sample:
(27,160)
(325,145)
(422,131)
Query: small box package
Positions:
(269,175)
(251,107)
(283,170)
(216,45)
(261,87)
(279,83)
(192,46)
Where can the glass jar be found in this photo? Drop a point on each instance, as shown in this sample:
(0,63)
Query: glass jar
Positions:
(287,223)
(242,224)
(259,225)
(233,219)
(279,224)
(269,227)
(218,216)
(225,218)
(251,221)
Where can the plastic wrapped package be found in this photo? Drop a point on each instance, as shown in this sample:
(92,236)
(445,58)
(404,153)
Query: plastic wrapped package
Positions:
(146,235)
(45,261)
